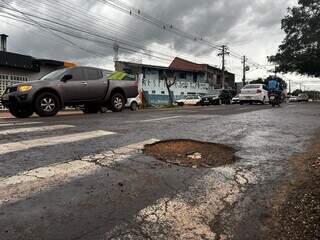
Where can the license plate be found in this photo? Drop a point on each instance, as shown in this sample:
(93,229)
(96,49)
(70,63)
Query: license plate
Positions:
(272,98)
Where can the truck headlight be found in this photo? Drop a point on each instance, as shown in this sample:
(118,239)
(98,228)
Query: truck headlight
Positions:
(24,88)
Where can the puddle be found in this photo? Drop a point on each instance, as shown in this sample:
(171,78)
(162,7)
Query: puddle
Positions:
(190,153)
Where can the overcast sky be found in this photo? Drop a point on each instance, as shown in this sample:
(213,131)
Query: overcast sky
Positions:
(250,27)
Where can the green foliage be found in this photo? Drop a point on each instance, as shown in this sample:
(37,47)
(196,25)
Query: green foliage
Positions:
(300,50)
(258,81)
(265,81)
(296,92)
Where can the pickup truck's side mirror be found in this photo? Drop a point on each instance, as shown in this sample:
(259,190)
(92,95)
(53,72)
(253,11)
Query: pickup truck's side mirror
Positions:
(66,78)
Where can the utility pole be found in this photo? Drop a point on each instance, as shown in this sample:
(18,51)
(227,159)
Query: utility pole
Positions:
(289,86)
(223,53)
(116,53)
(245,69)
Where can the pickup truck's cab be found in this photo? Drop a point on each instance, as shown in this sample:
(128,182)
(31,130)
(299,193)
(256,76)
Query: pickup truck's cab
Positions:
(91,87)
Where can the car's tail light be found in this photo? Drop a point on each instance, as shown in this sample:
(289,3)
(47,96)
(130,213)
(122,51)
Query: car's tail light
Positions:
(259,91)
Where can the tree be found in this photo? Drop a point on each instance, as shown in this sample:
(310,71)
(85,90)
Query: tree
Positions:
(258,81)
(279,79)
(300,50)
(265,81)
(296,92)
(169,82)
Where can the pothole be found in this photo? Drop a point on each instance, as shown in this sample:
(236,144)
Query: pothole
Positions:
(190,153)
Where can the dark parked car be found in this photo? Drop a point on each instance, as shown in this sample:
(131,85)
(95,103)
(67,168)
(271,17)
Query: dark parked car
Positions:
(217,97)
(92,88)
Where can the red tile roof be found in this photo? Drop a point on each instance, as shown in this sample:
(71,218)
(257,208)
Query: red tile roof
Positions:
(184,65)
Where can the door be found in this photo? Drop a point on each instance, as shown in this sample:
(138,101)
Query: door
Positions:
(97,85)
(76,89)
(188,100)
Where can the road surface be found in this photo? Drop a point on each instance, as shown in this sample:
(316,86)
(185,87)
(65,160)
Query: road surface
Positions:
(79,176)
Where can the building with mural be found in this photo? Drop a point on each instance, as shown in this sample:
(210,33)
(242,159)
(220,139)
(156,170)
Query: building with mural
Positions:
(191,79)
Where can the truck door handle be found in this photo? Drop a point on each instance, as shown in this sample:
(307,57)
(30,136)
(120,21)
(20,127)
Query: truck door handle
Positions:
(105,83)
(84,83)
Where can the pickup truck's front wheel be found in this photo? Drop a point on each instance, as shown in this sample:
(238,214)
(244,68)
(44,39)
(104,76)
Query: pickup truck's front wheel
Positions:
(47,104)
(117,102)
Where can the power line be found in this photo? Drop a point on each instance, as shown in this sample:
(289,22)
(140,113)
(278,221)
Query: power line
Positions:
(128,46)
(46,29)
(113,39)
(82,16)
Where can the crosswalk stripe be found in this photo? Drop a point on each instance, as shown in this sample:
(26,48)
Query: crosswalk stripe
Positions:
(18,124)
(34,129)
(49,141)
(24,184)
(159,119)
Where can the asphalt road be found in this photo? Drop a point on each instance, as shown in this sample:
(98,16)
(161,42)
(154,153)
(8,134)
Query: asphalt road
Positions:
(81,176)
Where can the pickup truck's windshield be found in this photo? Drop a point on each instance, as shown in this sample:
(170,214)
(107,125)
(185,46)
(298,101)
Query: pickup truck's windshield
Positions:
(56,75)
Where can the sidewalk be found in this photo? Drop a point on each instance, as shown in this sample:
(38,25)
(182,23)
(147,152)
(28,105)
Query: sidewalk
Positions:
(7,115)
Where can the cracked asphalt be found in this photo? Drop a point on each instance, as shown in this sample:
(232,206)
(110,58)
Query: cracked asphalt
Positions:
(85,177)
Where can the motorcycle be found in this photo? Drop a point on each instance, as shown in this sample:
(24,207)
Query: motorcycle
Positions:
(274,99)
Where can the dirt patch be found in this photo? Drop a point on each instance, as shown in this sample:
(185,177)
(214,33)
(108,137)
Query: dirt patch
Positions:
(190,153)
(296,211)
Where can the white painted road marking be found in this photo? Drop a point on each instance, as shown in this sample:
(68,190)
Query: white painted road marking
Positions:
(34,129)
(24,145)
(24,184)
(159,119)
(18,124)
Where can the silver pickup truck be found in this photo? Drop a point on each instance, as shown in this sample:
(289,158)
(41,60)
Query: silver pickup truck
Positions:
(92,88)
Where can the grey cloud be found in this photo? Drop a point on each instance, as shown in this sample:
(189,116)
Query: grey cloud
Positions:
(219,21)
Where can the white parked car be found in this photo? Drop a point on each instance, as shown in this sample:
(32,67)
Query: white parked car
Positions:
(189,100)
(134,103)
(254,93)
(235,100)
(293,99)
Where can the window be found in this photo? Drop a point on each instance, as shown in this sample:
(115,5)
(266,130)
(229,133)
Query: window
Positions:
(195,77)
(93,74)
(58,74)
(162,92)
(153,92)
(77,74)
(154,72)
(183,75)
(182,93)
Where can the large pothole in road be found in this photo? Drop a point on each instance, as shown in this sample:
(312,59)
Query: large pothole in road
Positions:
(190,153)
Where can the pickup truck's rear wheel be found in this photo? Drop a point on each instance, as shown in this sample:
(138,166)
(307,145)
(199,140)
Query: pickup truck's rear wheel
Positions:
(117,102)
(91,109)
(20,112)
(47,104)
